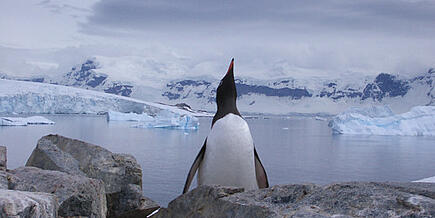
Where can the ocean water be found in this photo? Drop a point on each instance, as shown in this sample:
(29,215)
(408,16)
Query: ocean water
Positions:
(292,149)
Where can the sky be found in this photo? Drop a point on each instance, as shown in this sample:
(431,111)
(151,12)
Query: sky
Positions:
(268,39)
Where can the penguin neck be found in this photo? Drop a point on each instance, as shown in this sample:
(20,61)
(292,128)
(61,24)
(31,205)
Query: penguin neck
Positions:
(228,106)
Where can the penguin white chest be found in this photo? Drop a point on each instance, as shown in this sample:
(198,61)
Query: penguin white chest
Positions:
(229,155)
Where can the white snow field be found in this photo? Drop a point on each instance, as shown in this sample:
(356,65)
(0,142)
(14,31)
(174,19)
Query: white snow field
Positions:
(24,121)
(21,97)
(163,119)
(376,120)
(430,180)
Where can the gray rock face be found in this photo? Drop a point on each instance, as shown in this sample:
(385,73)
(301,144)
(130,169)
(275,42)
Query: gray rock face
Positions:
(49,157)
(121,174)
(211,201)
(126,203)
(27,204)
(4,180)
(354,199)
(77,195)
(3,158)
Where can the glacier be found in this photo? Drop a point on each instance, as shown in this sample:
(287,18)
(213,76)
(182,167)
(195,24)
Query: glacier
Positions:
(379,120)
(23,97)
(24,121)
(163,119)
(39,98)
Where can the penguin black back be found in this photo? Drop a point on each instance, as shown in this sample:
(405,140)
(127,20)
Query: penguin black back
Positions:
(226,95)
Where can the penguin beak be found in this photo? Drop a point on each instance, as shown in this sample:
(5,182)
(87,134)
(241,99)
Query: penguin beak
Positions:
(230,69)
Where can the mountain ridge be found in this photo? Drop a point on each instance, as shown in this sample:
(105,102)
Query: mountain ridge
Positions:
(287,94)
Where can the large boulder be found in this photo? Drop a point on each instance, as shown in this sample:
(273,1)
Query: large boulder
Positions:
(77,195)
(126,200)
(353,199)
(27,204)
(121,174)
(49,157)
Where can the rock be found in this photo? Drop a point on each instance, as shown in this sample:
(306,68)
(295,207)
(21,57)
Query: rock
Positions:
(121,174)
(49,157)
(4,179)
(211,201)
(77,195)
(352,199)
(27,204)
(126,200)
(3,158)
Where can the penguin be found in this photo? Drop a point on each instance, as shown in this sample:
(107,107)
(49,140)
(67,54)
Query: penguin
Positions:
(228,156)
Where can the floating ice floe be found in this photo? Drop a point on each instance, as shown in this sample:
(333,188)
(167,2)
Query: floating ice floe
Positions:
(24,121)
(430,180)
(376,120)
(163,119)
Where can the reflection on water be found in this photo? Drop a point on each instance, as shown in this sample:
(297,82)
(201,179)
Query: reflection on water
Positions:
(293,150)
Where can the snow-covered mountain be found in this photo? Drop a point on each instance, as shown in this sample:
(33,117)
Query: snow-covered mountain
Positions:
(277,96)
(313,96)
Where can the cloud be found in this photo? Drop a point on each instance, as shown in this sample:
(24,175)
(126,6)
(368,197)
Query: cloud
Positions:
(268,38)
(322,37)
(389,16)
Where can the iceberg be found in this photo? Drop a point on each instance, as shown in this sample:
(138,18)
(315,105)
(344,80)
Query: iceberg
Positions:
(24,121)
(162,119)
(119,116)
(430,180)
(376,120)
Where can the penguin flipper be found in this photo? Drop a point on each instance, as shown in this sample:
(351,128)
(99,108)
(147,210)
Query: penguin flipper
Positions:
(194,167)
(260,173)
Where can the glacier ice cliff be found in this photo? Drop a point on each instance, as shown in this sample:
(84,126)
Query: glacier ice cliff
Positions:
(22,97)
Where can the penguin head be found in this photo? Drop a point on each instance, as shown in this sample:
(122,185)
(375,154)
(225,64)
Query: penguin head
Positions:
(226,92)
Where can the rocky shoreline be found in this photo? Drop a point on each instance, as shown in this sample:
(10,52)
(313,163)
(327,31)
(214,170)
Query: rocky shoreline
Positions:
(64,177)
(81,179)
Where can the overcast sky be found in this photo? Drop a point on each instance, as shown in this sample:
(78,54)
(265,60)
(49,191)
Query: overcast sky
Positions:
(268,38)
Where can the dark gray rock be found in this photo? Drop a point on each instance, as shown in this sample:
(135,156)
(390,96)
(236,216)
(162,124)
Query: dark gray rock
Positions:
(353,199)
(121,174)
(27,204)
(49,157)
(211,201)
(126,204)
(3,180)
(55,152)
(7,180)
(3,158)
(77,195)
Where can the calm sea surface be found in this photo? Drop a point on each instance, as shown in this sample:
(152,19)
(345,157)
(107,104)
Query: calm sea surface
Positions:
(293,150)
